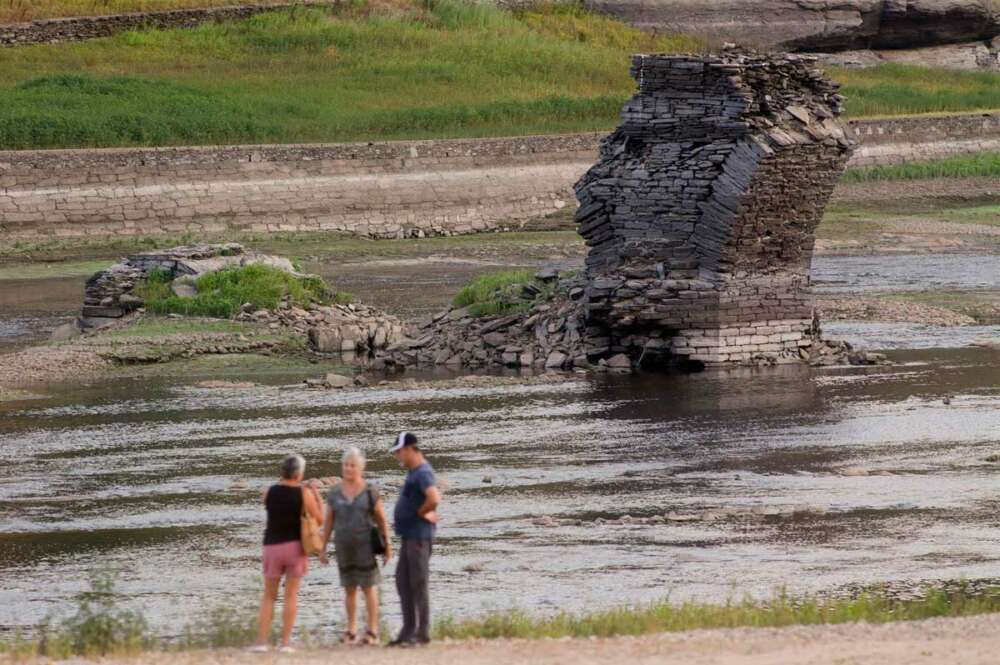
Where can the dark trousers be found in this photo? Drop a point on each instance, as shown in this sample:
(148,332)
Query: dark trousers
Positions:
(412,573)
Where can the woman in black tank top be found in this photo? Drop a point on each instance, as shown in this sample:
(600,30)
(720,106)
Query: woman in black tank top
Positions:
(284,512)
(285,502)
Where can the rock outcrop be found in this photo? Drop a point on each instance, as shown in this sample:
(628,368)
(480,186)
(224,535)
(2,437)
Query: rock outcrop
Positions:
(110,295)
(699,219)
(816,25)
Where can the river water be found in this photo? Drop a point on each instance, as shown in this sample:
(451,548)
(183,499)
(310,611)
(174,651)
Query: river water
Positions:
(807,479)
(161,481)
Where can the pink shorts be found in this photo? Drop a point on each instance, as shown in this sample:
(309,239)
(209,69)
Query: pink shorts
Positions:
(288,559)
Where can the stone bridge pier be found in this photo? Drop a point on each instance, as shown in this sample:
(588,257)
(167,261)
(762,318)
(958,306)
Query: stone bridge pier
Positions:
(700,213)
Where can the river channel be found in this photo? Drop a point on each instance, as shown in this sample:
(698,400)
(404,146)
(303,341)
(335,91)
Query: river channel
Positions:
(812,480)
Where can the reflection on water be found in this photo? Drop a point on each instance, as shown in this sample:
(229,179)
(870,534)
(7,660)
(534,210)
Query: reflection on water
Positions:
(893,273)
(152,483)
(31,309)
(879,335)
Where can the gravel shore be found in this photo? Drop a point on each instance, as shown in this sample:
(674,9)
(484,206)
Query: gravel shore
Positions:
(965,641)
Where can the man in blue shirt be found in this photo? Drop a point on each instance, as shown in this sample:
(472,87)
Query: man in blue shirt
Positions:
(415,521)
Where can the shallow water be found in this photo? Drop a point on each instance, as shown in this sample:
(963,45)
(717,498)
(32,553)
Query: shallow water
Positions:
(31,309)
(143,476)
(877,335)
(905,272)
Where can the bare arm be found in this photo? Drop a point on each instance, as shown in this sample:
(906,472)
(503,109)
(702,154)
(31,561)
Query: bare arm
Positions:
(331,515)
(431,501)
(383,525)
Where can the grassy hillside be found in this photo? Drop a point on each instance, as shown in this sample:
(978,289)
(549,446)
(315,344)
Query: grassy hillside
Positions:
(14,11)
(401,69)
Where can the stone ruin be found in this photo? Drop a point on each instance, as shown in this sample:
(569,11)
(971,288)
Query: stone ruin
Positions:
(700,214)
(699,218)
(110,298)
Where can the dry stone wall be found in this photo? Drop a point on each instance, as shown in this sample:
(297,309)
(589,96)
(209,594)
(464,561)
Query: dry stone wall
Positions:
(700,214)
(699,217)
(385,189)
(79,28)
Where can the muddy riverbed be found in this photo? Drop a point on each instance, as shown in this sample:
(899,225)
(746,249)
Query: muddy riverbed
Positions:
(805,479)
(592,493)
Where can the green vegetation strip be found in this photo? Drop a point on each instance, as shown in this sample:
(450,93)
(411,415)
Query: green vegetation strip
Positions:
(985,164)
(895,89)
(100,626)
(498,293)
(161,327)
(222,294)
(403,70)
(407,70)
(782,610)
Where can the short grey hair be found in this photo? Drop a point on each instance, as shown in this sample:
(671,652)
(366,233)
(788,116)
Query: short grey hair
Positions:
(353,452)
(292,466)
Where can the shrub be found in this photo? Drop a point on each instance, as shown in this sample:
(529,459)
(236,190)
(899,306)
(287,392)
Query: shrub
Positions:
(501,293)
(99,627)
(221,294)
(223,627)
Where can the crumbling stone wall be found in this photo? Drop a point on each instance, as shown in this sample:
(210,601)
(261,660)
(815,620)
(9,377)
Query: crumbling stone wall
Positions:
(80,28)
(700,214)
(384,189)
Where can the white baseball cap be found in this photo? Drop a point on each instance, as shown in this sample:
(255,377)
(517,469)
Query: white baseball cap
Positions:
(404,439)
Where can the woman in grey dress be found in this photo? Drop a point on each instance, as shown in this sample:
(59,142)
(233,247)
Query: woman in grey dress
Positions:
(352,508)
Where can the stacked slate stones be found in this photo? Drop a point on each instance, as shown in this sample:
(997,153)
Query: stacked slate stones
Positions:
(700,214)
(108,294)
(700,220)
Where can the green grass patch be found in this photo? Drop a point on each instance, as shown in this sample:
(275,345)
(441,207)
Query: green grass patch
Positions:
(361,71)
(986,164)
(782,610)
(156,326)
(221,294)
(305,247)
(499,293)
(896,89)
(355,72)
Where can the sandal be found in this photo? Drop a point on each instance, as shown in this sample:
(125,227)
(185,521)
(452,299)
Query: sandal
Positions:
(348,637)
(370,639)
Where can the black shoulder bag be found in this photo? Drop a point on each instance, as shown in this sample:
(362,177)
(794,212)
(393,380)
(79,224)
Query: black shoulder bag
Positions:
(378,541)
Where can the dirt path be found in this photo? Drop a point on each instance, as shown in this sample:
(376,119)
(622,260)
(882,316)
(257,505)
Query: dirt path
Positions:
(967,641)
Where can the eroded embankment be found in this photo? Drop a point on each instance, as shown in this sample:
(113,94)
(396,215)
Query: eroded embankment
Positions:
(387,189)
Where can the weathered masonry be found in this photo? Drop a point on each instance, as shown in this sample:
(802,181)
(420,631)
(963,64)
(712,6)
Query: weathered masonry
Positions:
(700,214)
(384,189)
(699,217)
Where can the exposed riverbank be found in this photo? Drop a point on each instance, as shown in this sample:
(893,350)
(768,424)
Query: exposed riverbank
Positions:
(42,284)
(956,641)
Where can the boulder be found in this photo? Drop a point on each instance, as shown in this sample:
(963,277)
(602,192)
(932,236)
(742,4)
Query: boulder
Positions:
(555,360)
(325,340)
(495,339)
(619,361)
(184,287)
(338,381)
(130,302)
